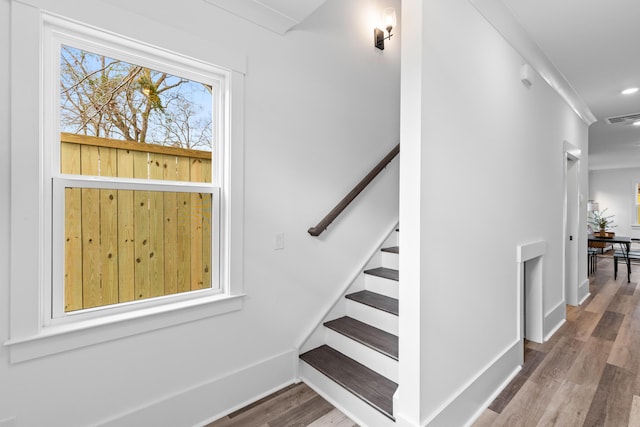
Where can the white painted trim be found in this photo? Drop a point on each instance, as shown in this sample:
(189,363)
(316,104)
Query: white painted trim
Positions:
(339,294)
(535,317)
(498,15)
(556,317)
(372,359)
(571,150)
(352,406)
(277,20)
(584,289)
(570,153)
(486,382)
(528,251)
(60,338)
(30,261)
(492,397)
(220,395)
(84,14)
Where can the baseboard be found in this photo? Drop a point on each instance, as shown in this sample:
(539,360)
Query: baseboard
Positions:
(463,408)
(215,398)
(554,319)
(583,290)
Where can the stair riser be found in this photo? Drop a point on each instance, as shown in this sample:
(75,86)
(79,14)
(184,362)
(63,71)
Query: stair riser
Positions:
(392,240)
(342,399)
(372,359)
(389,260)
(381,285)
(372,316)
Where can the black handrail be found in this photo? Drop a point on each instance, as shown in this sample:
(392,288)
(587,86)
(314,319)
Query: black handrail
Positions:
(331,216)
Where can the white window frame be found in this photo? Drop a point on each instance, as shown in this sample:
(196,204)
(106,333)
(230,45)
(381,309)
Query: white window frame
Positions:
(38,327)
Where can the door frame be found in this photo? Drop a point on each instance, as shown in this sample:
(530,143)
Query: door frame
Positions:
(571,221)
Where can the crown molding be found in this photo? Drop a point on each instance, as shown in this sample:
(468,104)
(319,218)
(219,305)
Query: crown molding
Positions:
(499,16)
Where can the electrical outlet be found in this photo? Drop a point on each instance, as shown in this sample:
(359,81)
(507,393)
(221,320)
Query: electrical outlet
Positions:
(278,244)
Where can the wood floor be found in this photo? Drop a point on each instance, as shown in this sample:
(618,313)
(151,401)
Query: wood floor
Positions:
(293,406)
(588,373)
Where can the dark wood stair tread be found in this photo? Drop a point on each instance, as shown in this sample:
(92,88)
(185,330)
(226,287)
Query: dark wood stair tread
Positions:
(387,273)
(363,382)
(372,299)
(392,249)
(374,338)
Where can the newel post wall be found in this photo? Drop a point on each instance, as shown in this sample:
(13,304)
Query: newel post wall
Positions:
(480,152)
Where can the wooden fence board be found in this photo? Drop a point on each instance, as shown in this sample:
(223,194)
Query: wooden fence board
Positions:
(197,279)
(91,253)
(109,229)
(133,146)
(122,245)
(141,227)
(70,163)
(170,229)
(126,233)
(156,228)
(207,219)
(184,229)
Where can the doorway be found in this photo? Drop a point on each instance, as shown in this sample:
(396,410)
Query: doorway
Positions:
(571,225)
(530,258)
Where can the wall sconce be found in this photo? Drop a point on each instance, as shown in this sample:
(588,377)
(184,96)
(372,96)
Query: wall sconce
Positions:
(389,19)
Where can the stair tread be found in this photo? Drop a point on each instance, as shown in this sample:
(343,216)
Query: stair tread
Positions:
(374,338)
(392,249)
(363,382)
(387,273)
(372,299)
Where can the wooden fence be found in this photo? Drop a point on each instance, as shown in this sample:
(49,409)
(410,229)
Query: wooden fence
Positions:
(125,245)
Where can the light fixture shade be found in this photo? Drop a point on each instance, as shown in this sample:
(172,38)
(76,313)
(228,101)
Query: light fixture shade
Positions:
(389,18)
(593,206)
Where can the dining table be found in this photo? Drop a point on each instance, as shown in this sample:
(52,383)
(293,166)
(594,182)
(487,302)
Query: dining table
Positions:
(625,247)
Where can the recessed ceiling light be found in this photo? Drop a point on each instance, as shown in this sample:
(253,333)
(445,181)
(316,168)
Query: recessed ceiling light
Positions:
(629,91)
(636,123)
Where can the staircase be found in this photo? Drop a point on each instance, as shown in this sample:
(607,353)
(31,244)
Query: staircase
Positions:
(356,368)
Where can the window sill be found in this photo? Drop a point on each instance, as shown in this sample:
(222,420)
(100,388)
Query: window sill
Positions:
(59,338)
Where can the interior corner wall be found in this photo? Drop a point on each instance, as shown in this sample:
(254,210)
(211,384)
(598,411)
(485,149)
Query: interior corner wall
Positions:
(614,190)
(489,176)
(322,107)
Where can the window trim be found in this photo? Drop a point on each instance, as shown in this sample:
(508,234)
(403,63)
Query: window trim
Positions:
(30,335)
(54,294)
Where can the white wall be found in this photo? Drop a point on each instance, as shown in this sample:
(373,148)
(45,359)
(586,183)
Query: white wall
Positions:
(322,107)
(614,190)
(482,163)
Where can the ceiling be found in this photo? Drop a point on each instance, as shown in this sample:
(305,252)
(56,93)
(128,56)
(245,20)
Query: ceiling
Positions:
(593,44)
(276,15)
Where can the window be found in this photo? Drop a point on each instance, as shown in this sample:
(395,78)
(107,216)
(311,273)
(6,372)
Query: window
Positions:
(126,187)
(136,193)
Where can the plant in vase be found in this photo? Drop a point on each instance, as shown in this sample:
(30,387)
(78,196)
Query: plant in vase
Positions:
(601,221)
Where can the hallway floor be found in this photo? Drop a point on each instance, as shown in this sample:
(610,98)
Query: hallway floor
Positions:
(588,373)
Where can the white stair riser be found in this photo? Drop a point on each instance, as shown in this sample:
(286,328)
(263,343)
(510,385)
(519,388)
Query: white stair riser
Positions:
(370,358)
(372,316)
(352,406)
(380,285)
(390,260)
